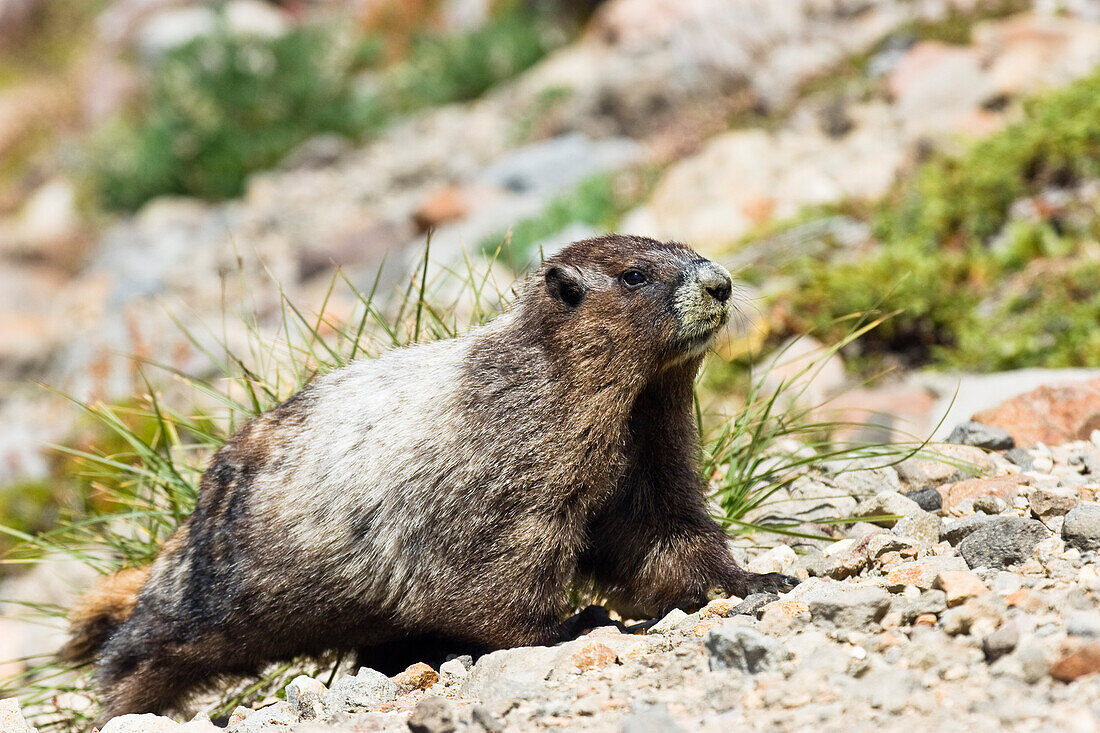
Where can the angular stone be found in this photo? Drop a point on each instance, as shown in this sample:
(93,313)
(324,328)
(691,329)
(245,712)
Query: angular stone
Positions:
(668,623)
(1076,659)
(1002,542)
(922,573)
(307,696)
(1000,642)
(751,605)
(919,526)
(594,655)
(981,436)
(417,676)
(368,689)
(955,531)
(959,586)
(11,717)
(279,716)
(1003,487)
(1051,414)
(849,608)
(1081,528)
(433,714)
(886,503)
(730,646)
(1051,502)
(927,498)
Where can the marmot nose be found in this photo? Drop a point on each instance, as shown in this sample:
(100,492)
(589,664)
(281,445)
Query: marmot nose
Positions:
(717,282)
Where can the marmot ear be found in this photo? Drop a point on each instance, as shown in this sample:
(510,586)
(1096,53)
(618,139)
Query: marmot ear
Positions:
(565,284)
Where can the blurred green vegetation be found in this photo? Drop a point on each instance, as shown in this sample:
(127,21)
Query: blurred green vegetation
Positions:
(599,202)
(224,106)
(967,281)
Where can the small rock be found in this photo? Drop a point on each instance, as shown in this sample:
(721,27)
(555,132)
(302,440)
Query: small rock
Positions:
(955,530)
(719,608)
(981,436)
(779,559)
(453,671)
(1076,660)
(989,504)
(922,573)
(1004,487)
(919,526)
(1002,542)
(1082,527)
(481,715)
(433,714)
(594,655)
(730,646)
(926,603)
(11,717)
(367,689)
(848,607)
(959,586)
(307,696)
(886,503)
(417,676)
(927,498)
(668,623)
(273,717)
(1083,623)
(1020,457)
(752,604)
(138,723)
(653,719)
(1000,642)
(1042,464)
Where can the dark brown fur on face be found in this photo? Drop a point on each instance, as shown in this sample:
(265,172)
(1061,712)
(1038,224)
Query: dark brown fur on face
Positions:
(448,496)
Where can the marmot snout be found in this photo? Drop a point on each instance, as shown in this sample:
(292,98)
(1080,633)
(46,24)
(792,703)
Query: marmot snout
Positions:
(449,495)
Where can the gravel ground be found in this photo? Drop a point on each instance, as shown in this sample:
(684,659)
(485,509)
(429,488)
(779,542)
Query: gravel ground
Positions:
(979,609)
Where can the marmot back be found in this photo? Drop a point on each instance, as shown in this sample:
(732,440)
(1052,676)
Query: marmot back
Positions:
(449,495)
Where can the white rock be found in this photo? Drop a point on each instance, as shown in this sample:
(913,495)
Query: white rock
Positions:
(11,717)
(779,559)
(144,723)
(668,623)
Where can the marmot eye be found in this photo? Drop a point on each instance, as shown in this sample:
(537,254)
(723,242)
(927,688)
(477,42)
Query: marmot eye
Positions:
(634,278)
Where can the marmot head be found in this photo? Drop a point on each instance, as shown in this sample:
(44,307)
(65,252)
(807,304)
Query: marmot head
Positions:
(653,302)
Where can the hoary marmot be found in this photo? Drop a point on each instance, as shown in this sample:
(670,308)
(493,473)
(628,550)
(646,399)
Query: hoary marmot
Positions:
(450,493)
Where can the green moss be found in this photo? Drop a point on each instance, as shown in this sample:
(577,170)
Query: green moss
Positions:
(951,264)
(222,107)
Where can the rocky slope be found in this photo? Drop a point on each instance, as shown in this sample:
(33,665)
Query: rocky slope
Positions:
(969,600)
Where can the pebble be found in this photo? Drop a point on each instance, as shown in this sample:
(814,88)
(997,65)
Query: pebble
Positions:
(1002,542)
(453,672)
(953,531)
(886,503)
(919,526)
(731,646)
(927,498)
(136,723)
(11,717)
(433,714)
(852,608)
(1081,528)
(267,718)
(1051,502)
(368,689)
(959,586)
(670,621)
(417,676)
(307,696)
(1000,642)
(752,604)
(1077,659)
(922,573)
(1083,623)
(981,436)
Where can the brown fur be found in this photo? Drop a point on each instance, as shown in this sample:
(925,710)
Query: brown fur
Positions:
(99,611)
(446,497)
